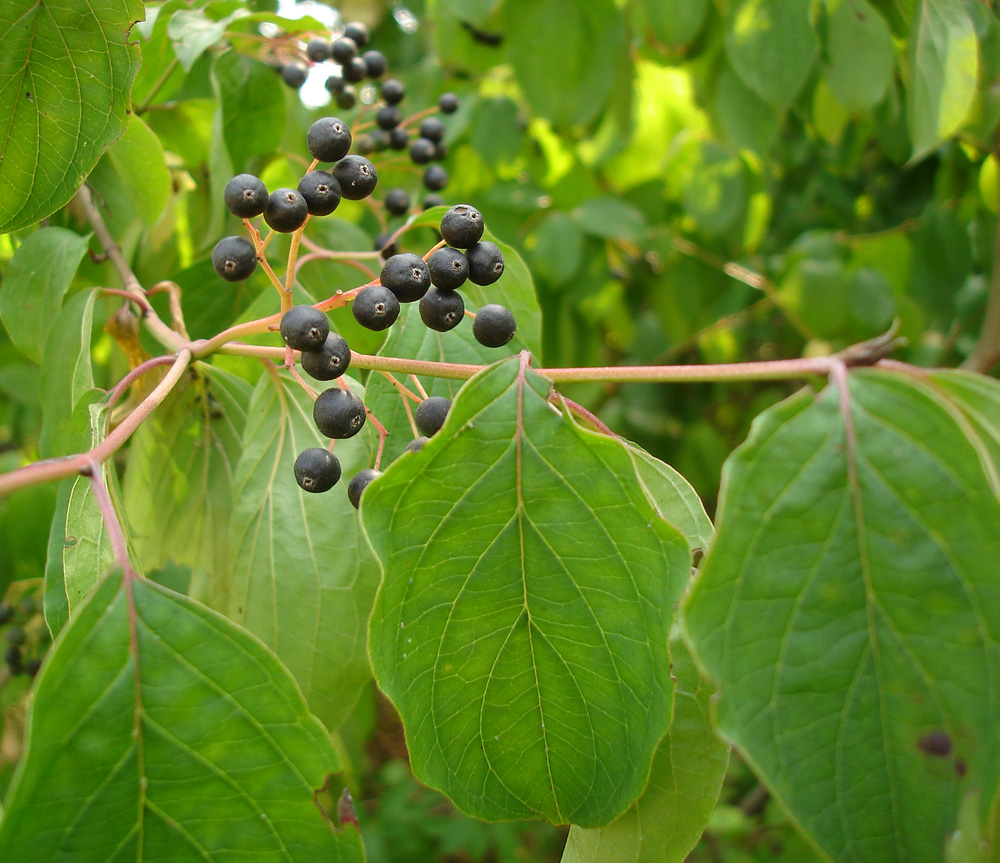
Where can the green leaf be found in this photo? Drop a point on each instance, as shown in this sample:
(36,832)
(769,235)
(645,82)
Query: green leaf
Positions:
(473,11)
(522,620)
(847,614)
(179,481)
(192,32)
(743,117)
(38,277)
(302,579)
(943,68)
(68,376)
(175,736)
(666,822)
(66,71)
(139,161)
(673,24)
(251,105)
(772,46)
(611,219)
(86,550)
(569,81)
(858,60)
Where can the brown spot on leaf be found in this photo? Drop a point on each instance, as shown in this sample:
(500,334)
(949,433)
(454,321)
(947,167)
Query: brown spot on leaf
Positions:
(937,743)
(959,767)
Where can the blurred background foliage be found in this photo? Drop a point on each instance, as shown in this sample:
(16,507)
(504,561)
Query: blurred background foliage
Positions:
(694,181)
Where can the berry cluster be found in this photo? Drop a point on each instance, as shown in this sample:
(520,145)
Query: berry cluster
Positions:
(17,621)
(345,49)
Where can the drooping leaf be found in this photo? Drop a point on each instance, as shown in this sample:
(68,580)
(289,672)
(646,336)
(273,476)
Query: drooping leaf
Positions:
(847,612)
(66,72)
(673,24)
(665,823)
(139,161)
(522,620)
(174,735)
(301,577)
(178,489)
(772,46)
(251,107)
(858,60)
(36,280)
(943,68)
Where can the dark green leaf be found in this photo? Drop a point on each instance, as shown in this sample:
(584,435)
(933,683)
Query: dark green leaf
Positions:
(943,68)
(34,285)
(175,736)
(673,24)
(858,61)
(847,613)
(772,45)
(66,71)
(252,106)
(521,624)
(610,218)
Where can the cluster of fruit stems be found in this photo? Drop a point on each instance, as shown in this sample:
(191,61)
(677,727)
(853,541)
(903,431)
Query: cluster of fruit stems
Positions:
(185,351)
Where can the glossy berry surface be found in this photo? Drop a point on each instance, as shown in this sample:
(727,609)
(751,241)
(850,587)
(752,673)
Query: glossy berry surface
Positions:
(304,328)
(397,201)
(234,258)
(462,226)
(435,177)
(359,482)
(442,310)
(485,263)
(407,276)
(286,210)
(431,413)
(494,325)
(321,191)
(245,196)
(344,50)
(375,308)
(318,50)
(449,269)
(317,469)
(448,103)
(338,413)
(330,361)
(329,139)
(357,177)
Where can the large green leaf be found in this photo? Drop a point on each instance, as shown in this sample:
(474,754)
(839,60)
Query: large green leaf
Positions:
(522,620)
(34,285)
(66,70)
(673,24)
(178,489)
(251,107)
(140,163)
(978,399)
(569,81)
(160,731)
(771,44)
(666,822)
(944,62)
(302,578)
(848,613)
(858,60)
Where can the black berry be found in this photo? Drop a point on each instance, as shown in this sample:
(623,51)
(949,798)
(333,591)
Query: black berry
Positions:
(422,151)
(433,129)
(338,413)
(375,308)
(344,50)
(462,226)
(357,33)
(435,177)
(448,103)
(417,443)
(347,97)
(393,91)
(294,74)
(286,210)
(375,64)
(449,269)
(383,245)
(399,138)
(388,117)
(359,482)
(407,276)
(329,139)
(364,144)
(430,414)
(317,469)
(432,200)
(15,636)
(304,328)
(321,191)
(245,196)
(485,263)
(234,258)
(357,177)
(494,326)
(397,201)
(356,70)
(380,139)
(318,50)
(335,84)
(442,310)
(330,361)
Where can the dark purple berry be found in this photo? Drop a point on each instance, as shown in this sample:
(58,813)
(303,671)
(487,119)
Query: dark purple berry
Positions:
(329,139)
(432,200)
(318,50)
(407,276)
(399,138)
(462,226)
(485,263)
(330,361)
(433,129)
(347,97)
(357,33)
(435,178)
(375,308)
(304,328)
(339,413)
(245,196)
(449,269)
(286,210)
(448,103)
(431,414)
(422,151)
(234,258)
(321,191)
(375,64)
(357,177)
(343,51)
(317,470)
(393,91)
(494,326)
(354,71)
(388,117)
(294,74)
(359,482)
(397,201)
(442,310)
